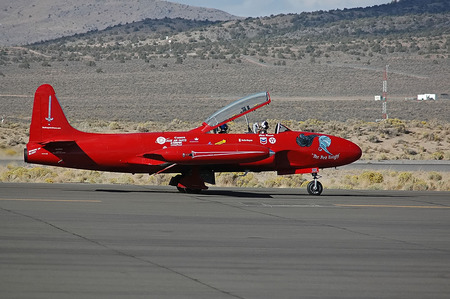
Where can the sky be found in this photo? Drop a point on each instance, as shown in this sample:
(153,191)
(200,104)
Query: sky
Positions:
(258,8)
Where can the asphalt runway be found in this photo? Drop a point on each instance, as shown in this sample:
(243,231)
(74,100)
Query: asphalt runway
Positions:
(114,241)
(401,165)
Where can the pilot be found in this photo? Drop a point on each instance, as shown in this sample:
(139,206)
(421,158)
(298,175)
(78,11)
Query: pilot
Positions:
(264,127)
(255,128)
(223,129)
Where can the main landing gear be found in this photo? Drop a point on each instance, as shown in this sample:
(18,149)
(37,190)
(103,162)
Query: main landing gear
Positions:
(193,180)
(181,183)
(315,187)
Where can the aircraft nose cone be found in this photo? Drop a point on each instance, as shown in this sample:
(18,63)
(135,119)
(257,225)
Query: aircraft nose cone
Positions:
(353,152)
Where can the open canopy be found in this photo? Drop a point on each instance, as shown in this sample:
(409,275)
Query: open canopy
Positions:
(235,110)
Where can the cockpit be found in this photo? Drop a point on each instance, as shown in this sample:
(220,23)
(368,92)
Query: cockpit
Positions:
(217,122)
(280,128)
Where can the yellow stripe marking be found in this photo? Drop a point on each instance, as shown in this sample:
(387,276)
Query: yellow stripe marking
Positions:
(48,200)
(391,206)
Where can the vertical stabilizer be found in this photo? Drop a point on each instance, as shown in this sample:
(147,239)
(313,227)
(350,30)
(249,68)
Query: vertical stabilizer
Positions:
(48,122)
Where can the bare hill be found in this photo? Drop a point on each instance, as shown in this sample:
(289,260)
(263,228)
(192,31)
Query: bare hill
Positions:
(29,21)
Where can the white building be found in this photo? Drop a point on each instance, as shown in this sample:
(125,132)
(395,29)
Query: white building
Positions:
(426,97)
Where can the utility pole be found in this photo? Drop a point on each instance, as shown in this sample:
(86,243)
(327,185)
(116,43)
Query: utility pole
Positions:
(384,97)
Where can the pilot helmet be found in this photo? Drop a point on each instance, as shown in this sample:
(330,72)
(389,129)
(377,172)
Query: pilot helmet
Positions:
(265,125)
(224,128)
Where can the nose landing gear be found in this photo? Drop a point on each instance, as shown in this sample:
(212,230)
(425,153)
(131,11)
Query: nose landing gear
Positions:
(315,187)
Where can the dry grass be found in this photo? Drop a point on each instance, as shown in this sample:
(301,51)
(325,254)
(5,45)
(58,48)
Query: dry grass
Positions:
(387,180)
(332,179)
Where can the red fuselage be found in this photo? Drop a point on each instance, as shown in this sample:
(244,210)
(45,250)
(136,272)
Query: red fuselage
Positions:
(196,154)
(150,152)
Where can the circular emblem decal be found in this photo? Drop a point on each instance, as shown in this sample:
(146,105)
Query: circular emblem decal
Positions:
(160,140)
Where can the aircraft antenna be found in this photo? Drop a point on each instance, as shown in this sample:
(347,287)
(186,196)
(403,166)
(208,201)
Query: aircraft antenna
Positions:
(248,124)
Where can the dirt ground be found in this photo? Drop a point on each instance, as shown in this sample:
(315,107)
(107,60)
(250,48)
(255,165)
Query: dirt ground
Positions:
(137,91)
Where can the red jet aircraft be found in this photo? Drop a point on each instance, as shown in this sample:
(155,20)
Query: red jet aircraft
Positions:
(195,155)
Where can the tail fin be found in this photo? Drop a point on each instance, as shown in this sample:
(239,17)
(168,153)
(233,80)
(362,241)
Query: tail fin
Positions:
(48,122)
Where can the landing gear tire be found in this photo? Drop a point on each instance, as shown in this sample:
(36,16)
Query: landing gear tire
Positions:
(175,181)
(314,188)
(189,190)
(193,191)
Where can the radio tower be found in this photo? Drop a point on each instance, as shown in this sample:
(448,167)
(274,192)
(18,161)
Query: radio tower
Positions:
(384,99)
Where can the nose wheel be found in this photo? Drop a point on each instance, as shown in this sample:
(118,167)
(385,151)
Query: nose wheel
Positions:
(314,187)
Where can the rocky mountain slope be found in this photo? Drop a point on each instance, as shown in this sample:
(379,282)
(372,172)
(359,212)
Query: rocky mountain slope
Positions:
(339,54)
(29,21)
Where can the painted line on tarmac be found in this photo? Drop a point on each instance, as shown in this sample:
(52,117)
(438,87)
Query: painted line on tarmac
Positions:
(265,205)
(292,206)
(390,206)
(49,200)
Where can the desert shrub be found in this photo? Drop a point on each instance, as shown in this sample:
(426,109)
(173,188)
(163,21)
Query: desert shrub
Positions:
(291,181)
(410,151)
(23,174)
(419,185)
(405,177)
(126,179)
(94,177)
(372,177)
(396,122)
(10,152)
(334,127)
(393,127)
(351,180)
(24,65)
(16,140)
(237,179)
(248,180)
(407,181)
(310,125)
(225,179)
(142,129)
(435,176)
(438,155)
(160,179)
(175,125)
(373,139)
(114,126)
(430,136)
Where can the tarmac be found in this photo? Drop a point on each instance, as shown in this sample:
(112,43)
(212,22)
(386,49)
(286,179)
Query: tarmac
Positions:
(401,165)
(116,241)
